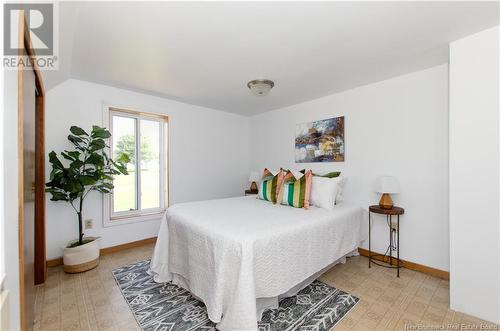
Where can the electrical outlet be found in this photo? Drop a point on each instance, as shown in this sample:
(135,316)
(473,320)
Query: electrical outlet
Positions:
(88,224)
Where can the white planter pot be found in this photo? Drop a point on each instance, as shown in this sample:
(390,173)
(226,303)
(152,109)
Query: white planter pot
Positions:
(81,258)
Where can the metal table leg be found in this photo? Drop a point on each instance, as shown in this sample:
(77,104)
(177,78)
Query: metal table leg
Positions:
(398,246)
(389,222)
(369,239)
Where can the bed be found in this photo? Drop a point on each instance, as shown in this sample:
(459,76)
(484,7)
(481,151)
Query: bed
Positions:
(240,255)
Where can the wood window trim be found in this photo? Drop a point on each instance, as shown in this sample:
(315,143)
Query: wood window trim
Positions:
(110,220)
(138,113)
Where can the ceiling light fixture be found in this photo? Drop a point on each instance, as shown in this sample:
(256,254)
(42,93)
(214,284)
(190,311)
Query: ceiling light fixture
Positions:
(260,87)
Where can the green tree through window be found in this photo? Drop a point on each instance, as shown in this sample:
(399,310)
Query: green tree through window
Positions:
(126,145)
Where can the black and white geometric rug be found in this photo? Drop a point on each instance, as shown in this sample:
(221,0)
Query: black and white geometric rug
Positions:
(167,307)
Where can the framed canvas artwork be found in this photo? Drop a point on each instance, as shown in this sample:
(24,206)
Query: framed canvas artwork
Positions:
(320,141)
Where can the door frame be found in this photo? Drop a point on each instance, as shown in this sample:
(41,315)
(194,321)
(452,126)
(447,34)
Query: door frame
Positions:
(40,268)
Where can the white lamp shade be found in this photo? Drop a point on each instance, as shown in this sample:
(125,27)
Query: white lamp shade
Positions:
(254,177)
(387,184)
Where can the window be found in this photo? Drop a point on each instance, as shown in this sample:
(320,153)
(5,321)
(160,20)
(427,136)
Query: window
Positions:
(143,193)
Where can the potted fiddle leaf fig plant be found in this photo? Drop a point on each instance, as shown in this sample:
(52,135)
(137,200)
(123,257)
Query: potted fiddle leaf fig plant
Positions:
(86,168)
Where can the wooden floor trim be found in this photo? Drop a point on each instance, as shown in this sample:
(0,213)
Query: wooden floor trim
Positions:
(108,250)
(55,262)
(413,266)
(133,244)
(407,264)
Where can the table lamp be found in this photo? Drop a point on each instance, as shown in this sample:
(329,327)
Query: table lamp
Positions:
(386,185)
(253,178)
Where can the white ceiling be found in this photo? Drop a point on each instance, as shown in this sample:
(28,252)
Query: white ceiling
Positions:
(205,53)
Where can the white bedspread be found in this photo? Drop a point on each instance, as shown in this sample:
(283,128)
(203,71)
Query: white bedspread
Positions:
(230,252)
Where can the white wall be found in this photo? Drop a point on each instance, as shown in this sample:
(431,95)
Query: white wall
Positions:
(208,154)
(397,127)
(10,213)
(474,175)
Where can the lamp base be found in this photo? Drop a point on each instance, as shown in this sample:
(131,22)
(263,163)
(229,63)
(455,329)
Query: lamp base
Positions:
(386,201)
(253,186)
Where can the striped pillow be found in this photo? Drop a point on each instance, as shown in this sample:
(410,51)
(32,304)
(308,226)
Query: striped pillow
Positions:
(270,185)
(296,192)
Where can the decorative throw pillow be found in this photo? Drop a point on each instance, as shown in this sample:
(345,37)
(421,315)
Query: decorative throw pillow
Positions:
(296,190)
(324,191)
(332,174)
(340,190)
(270,185)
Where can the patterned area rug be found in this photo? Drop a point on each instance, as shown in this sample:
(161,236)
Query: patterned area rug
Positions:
(167,307)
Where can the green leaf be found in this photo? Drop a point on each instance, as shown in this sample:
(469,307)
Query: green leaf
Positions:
(103,190)
(95,159)
(75,140)
(75,165)
(69,156)
(74,154)
(56,163)
(120,168)
(78,131)
(58,195)
(124,158)
(55,173)
(73,186)
(98,132)
(97,144)
(86,180)
(107,185)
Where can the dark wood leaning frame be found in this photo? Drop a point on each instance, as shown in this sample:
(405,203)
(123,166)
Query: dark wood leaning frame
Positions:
(40,267)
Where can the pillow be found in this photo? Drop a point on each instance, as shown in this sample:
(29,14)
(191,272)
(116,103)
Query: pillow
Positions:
(324,192)
(287,175)
(270,185)
(296,189)
(332,174)
(273,172)
(340,190)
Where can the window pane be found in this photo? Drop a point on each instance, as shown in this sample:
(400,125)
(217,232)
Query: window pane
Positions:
(124,197)
(150,164)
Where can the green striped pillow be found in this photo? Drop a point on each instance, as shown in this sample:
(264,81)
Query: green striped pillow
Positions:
(270,185)
(296,192)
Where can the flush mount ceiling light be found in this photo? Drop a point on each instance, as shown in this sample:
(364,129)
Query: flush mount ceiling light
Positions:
(260,87)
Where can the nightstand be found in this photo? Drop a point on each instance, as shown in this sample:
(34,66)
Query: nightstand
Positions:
(386,257)
(251,192)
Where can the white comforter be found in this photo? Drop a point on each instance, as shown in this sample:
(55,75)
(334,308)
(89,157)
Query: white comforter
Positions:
(230,252)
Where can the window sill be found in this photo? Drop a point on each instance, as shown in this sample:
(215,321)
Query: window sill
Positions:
(128,219)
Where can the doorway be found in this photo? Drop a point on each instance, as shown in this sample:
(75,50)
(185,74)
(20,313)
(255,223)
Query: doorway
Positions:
(31,178)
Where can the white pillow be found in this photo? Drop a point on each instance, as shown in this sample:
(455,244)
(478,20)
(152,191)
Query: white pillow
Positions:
(324,191)
(340,191)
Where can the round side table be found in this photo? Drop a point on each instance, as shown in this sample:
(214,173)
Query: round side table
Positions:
(392,262)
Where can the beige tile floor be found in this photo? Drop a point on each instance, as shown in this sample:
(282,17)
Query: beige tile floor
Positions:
(92,300)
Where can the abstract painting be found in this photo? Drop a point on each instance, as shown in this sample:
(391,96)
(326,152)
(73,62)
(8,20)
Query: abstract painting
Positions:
(320,141)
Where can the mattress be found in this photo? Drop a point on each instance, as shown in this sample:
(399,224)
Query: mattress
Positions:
(230,253)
